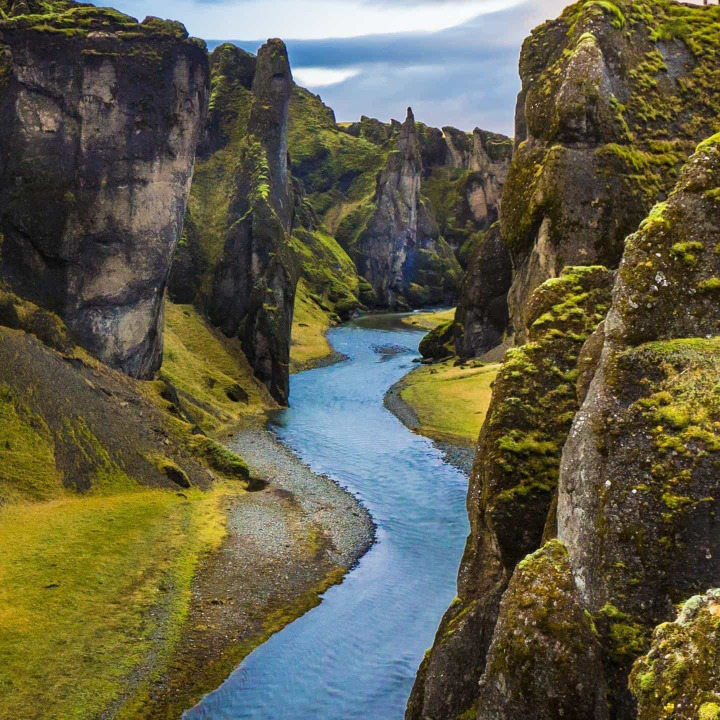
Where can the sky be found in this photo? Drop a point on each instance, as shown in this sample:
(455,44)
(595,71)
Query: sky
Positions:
(453,61)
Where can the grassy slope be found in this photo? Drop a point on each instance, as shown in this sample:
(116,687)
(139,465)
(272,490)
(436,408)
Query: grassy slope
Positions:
(100,547)
(310,323)
(450,402)
(327,292)
(91,587)
(204,365)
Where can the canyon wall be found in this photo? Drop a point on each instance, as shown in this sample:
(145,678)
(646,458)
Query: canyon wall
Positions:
(399,251)
(615,99)
(101,120)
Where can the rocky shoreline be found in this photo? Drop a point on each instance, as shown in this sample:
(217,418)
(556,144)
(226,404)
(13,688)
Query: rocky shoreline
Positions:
(286,544)
(458,456)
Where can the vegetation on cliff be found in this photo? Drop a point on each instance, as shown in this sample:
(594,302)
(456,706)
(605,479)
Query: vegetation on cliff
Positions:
(514,480)
(615,97)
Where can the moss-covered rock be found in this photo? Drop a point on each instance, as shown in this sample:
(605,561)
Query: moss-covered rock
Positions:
(615,97)
(545,660)
(679,678)
(438,343)
(638,489)
(513,481)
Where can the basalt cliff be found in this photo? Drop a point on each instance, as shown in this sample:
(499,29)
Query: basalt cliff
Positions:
(101,116)
(591,502)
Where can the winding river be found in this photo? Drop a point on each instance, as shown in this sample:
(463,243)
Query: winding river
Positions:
(356,654)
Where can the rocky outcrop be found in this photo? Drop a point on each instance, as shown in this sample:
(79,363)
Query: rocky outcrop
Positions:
(482,317)
(342,166)
(438,343)
(101,117)
(605,119)
(679,678)
(400,252)
(512,484)
(638,491)
(464,177)
(253,290)
(530,674)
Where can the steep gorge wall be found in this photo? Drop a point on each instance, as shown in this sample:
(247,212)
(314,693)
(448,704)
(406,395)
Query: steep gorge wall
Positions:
(512,484)
(614,99)
(101,117)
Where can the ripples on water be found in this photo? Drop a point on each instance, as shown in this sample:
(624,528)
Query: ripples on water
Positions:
(356,654)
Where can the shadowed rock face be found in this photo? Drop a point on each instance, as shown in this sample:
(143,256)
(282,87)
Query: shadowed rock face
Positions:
(400,251)
(604,123)
(482,317)
(101,117)
(253,287)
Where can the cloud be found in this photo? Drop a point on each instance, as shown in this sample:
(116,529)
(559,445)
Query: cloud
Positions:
(308,18)
(315,77)
(465,76)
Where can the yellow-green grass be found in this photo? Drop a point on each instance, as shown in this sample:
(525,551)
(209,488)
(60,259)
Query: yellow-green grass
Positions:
(310,323)
(429,320)
(450,402)
(204,365)
(91,589)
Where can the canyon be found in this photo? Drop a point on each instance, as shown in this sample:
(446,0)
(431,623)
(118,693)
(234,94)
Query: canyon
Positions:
(181,233)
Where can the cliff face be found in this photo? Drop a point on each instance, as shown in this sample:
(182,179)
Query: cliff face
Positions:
(464,177)
(614,99)
(468,173)
(482,316)
(101,116)
(253,289)
(513,482)
(234,259)
(638,491)
(343,166)
(400,251)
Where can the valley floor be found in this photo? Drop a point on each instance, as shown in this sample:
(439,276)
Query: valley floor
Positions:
(284,545)
(132,597)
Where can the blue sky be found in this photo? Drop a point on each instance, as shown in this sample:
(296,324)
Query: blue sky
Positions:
(453,61)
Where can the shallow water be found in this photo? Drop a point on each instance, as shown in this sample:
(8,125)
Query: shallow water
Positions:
(356,654)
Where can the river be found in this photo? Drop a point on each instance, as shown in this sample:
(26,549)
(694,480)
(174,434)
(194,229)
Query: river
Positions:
(355,655)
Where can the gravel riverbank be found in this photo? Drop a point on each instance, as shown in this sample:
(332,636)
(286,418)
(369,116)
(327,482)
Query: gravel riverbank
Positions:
(285,545)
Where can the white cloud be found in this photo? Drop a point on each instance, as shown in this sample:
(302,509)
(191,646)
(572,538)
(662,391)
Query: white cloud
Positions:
(315,77)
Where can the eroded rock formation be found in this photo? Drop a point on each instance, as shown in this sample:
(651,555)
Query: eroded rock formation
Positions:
(482,317)
(400,251)
(614,99)
(253,290)
(101,117)
(638,493)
